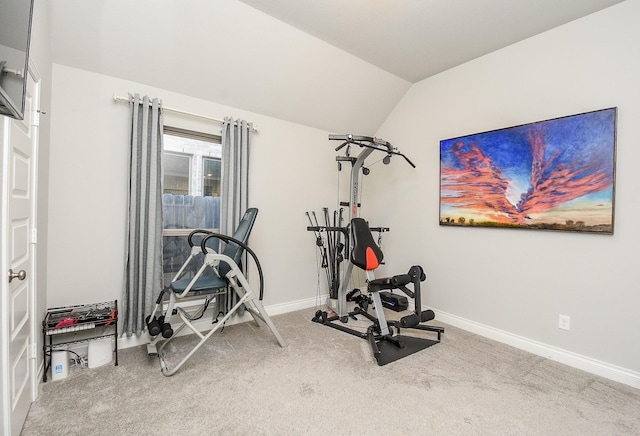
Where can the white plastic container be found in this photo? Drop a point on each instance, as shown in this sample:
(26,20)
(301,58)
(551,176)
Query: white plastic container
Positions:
(100,352)
(59,364)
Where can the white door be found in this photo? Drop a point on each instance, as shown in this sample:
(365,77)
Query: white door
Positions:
(19,139)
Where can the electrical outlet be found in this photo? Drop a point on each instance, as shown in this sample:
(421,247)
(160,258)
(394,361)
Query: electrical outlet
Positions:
(564,322)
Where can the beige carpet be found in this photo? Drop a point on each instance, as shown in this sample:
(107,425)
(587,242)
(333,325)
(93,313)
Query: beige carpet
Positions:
(327,382)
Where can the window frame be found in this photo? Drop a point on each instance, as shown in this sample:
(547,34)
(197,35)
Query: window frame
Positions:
(195,159)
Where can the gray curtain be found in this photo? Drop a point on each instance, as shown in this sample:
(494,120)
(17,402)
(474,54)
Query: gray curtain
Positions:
(143,270)
(236,143)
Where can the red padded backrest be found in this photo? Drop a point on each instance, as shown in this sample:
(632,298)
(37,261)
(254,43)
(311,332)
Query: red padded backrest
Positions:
(365,254)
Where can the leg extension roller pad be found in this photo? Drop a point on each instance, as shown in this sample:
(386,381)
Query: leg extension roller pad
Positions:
(413,319)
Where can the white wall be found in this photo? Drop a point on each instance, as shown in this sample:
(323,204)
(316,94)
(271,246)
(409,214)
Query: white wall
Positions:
(291,172)
(228,52)
(515,283)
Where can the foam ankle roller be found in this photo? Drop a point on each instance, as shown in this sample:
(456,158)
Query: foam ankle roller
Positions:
(167,331)
(153,327)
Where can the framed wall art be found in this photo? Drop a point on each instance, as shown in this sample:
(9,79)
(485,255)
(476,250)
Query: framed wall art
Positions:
(556,174)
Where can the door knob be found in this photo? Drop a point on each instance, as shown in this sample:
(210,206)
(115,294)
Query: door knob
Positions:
(21,275)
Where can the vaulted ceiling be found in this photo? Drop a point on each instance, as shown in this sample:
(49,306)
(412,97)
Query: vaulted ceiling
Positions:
(415,39)
(338,65)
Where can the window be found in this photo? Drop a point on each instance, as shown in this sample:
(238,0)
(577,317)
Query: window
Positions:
(177,171)
(192,163)
(191,191)
(211,175)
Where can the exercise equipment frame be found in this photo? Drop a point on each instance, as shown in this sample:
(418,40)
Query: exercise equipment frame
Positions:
(387,345)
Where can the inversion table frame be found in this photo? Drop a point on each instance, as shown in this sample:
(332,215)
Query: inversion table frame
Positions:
(236,282)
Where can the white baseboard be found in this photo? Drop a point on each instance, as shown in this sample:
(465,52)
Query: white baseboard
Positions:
(292,306)
(593,366)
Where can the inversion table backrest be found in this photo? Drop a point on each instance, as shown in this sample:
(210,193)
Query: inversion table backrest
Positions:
(233,250)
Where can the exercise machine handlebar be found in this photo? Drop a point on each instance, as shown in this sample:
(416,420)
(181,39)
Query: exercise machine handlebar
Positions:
(355,139)
(369,142)
(344,230)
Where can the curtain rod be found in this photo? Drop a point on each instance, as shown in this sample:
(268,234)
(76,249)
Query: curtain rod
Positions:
(117,98)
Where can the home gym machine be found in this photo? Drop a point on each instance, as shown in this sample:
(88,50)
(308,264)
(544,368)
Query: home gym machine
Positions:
(360,250)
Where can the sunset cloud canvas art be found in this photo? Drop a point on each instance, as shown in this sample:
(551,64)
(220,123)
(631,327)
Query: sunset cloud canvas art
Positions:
(556,174)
